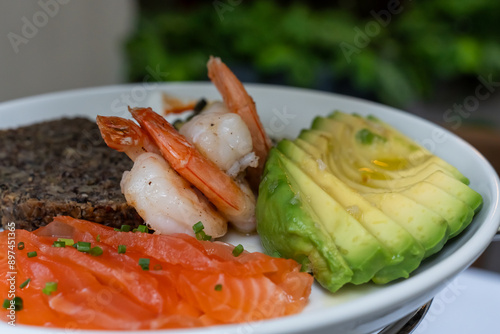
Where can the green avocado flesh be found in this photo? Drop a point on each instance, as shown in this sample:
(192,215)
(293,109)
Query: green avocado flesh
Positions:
(354,200)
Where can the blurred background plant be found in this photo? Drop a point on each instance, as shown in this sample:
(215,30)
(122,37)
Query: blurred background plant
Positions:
(425,46)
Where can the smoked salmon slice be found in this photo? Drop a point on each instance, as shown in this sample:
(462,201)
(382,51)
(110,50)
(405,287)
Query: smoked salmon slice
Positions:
(186,282)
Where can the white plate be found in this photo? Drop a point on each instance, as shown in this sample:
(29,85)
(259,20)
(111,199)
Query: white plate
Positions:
(284,112)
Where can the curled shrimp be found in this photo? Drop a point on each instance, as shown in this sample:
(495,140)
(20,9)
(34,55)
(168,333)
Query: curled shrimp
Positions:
(165,200)
(233,199)
(238,101)
(222,137)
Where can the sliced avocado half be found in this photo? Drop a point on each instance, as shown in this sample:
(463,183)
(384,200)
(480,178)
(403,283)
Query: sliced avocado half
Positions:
(353,200)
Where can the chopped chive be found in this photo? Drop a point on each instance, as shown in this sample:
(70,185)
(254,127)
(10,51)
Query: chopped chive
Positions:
(122,249)
(218,287)
(203,236)
(83,246)
(198,227)
(49,288)
(157,267)
(367,137)
(98,238)
(199,233)
(96,251)
(32,254)
(75,246)
(238,250)
(125,228)
(68,242)
(25,283)
(117,229)
(144,263)
(18,303)
(142,228)
(20,245)
(59,244)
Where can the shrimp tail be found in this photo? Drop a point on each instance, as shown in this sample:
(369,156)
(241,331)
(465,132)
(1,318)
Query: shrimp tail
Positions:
(126,136)
(238,101)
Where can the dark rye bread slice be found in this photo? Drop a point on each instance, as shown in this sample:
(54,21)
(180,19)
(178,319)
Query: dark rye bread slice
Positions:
(61,167)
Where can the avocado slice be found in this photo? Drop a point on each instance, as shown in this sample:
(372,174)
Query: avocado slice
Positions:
(288,227)
(364,254)
(457,188)
(457,214)
(426,226)
(406,252)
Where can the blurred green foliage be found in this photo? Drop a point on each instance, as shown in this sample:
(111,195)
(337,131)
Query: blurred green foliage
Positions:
(300,44)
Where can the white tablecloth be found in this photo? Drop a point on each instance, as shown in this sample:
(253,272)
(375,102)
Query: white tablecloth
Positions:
(470,304)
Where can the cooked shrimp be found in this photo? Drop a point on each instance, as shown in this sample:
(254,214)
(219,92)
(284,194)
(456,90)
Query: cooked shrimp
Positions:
(239,102)
(222,137)
(235,201)
(165,200)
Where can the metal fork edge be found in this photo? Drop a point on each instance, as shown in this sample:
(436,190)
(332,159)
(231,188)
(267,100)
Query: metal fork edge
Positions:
(409,323)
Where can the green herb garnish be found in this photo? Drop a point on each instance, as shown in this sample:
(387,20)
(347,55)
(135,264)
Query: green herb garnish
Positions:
(96,251)
(49,288)
(83,246)
(125,228)
(144,263)
(68,242)
(59,244)
(218,287)
(198,227)
(32,254)
(238,250)
(20,245)
(199,232)
(142,228)
(25,283)
(122,249)
(367,137)
(18,303)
